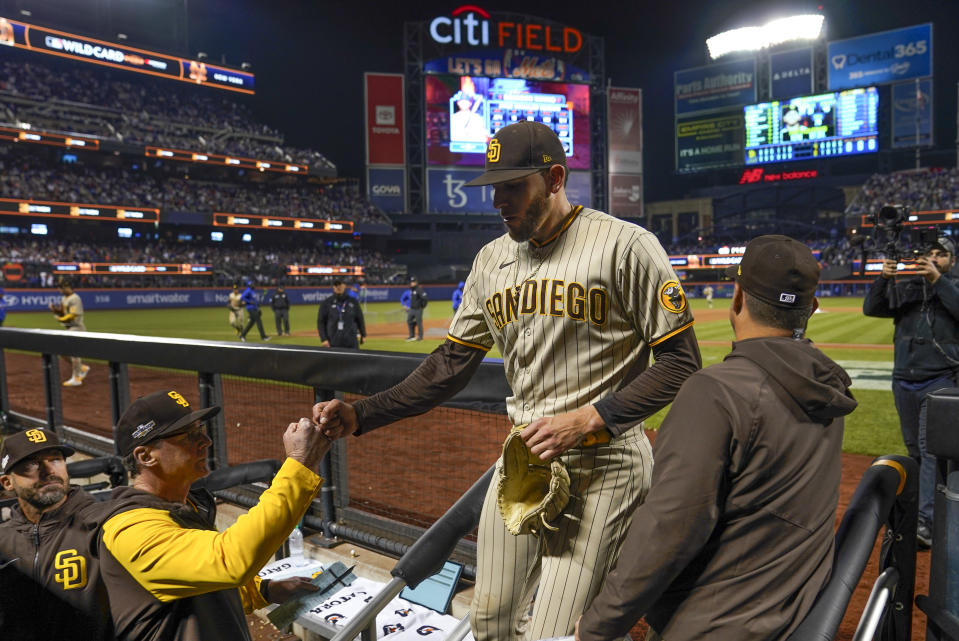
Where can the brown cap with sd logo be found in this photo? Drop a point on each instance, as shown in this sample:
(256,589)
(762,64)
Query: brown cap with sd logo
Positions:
(157,415)
(19,446)
(520,150)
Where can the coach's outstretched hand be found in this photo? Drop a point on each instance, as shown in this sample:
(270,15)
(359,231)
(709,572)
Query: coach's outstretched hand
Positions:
(304,442)
(552,435)
(336,418)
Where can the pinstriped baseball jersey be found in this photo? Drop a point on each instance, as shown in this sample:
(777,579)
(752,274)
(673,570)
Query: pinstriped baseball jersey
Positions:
(574,315)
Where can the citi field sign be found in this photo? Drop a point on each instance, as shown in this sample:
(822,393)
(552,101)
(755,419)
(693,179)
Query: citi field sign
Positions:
(471,26)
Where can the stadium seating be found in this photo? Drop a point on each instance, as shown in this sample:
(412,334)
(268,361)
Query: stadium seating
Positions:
(130,109)
(24,175)
(265,264)
(926,189)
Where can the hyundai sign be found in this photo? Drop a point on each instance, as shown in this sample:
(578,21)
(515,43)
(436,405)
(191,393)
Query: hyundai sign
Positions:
(879,58)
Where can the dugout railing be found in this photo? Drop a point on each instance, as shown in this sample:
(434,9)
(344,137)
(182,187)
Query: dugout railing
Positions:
(376,487)
(941,605)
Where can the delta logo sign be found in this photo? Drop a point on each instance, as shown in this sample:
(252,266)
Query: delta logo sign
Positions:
(471,26)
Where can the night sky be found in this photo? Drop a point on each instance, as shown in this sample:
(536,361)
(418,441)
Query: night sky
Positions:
(309,56)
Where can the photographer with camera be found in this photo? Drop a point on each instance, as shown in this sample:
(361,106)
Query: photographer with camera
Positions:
(925,309)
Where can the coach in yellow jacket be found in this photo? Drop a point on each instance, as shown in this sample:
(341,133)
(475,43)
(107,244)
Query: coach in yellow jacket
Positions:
(170,575)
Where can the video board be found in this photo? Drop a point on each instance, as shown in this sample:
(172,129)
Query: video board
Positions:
(133,269)
(810,127)
(22,35)
(464,112)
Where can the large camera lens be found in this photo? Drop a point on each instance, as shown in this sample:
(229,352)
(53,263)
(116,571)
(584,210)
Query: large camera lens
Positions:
(889,214)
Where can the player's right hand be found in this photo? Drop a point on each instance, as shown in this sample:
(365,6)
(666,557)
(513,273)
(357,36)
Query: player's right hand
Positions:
(336,418)
(304,442)
(889,267)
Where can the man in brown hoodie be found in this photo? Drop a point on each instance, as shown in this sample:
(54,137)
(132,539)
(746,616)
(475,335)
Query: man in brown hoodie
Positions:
(735,539)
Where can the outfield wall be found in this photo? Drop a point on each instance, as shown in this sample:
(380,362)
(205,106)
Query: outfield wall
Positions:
(33,300)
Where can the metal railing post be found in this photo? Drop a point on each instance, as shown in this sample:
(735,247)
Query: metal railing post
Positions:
(211,393)
(4,395)
(51,386)
(119,395)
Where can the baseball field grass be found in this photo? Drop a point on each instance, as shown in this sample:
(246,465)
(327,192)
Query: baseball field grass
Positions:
(839,329)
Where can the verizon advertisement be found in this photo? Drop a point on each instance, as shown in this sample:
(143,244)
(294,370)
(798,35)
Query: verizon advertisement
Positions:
(385,131)
(625,119)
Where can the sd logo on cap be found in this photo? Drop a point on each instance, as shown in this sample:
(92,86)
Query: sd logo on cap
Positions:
(520,150)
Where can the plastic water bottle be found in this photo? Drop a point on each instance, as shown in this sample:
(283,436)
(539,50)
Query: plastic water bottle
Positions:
(295,543)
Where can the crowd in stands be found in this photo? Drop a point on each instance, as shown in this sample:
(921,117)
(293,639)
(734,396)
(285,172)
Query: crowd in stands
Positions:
(128,108)
(834,248)
(265,265)
(919,190)
(24,176)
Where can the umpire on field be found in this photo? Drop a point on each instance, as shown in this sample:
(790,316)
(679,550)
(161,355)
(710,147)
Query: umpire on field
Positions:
(576,301)
(735,539)
(339,321)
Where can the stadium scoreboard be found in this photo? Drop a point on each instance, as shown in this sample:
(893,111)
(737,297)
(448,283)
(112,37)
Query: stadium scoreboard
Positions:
(808,127)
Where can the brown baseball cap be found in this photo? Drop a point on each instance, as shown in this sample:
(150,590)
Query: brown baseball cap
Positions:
(158,415)
(19,446)
(778,270)
(520,150)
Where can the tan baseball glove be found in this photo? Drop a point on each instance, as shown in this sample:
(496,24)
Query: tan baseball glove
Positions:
(531,492)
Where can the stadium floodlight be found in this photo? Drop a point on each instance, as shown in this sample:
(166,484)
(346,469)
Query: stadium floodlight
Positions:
(776,32)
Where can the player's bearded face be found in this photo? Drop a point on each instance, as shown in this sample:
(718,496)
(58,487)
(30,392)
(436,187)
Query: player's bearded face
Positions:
(41,480)
(509,197)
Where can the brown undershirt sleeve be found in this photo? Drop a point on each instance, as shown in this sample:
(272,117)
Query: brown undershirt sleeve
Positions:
(439,377)
(675,359)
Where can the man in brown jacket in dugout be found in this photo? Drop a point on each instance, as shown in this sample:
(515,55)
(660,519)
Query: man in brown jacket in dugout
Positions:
(735,539)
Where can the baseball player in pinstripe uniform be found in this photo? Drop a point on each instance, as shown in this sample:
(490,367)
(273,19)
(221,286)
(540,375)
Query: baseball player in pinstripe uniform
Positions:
(576,301)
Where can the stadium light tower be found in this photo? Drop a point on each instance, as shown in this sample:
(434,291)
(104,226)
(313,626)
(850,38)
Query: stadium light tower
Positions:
(771,34)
